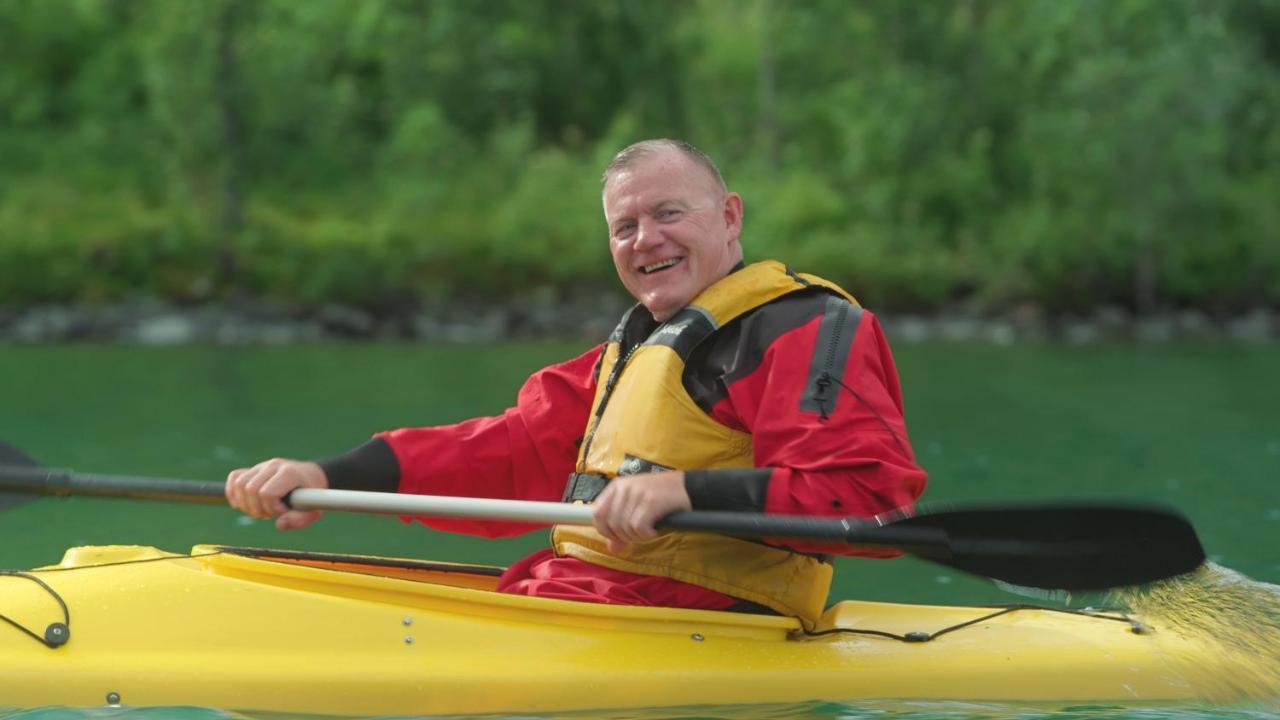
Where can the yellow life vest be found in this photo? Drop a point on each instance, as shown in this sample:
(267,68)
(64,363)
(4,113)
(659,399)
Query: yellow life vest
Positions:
(643,420)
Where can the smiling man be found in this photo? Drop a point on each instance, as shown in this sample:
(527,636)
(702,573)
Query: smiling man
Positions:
(727,387)
(673,226)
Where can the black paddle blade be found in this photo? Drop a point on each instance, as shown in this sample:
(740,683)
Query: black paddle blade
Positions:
(14,457)
(1065,547)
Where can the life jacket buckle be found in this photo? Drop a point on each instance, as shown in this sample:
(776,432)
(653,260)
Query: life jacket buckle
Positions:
(583,488)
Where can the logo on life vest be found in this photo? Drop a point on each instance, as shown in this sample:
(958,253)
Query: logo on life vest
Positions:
(632,465)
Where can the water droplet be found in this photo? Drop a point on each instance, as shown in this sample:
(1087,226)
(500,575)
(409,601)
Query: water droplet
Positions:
(244,520)
(1273,514)
(943,579)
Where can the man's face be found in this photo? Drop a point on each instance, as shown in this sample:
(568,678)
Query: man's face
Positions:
(672,231)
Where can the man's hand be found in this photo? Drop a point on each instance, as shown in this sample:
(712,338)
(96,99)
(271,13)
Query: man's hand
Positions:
(259,491)
(630,505)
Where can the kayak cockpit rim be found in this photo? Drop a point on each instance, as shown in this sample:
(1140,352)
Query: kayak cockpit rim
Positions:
(346,559)
(454,590)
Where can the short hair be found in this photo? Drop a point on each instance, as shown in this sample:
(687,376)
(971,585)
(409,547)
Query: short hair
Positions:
(631,155)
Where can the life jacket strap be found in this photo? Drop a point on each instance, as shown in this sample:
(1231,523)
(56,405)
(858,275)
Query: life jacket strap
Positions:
(583,487)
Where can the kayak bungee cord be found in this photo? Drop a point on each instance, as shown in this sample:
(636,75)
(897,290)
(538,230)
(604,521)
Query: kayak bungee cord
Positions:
(56,634)
(113,563)
(1135,626)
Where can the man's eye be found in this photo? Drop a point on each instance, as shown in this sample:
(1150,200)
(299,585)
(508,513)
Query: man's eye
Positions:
(624,230)
(668,214)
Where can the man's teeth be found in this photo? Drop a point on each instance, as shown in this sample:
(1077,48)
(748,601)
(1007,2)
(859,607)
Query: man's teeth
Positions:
(660,265)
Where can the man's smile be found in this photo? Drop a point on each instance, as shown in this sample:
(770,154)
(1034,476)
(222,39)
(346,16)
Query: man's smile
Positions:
(660,265)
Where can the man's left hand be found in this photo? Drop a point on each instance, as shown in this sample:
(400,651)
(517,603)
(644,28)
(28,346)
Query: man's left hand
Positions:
(625,512)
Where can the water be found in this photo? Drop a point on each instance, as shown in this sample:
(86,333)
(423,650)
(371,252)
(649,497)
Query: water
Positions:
(808,711)
(1197,427)
(1226,612)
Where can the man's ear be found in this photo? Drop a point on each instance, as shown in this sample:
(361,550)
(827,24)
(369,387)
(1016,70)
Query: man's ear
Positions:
(733,213)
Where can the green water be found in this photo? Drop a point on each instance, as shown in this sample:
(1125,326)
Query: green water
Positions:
(1197,427)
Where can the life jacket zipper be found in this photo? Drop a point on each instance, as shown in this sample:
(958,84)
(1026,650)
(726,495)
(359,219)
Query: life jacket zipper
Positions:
(609,385)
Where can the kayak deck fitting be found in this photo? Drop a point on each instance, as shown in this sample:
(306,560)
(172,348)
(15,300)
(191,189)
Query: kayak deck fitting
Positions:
(282,631)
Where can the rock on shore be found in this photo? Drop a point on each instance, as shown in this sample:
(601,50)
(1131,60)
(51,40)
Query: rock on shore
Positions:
(151,323)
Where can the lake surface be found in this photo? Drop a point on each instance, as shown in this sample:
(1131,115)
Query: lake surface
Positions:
(1197,427)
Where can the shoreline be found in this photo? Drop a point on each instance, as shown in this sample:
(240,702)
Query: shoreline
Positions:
(152,323)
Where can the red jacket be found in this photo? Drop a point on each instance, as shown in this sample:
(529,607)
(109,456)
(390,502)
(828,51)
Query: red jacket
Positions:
(852,459)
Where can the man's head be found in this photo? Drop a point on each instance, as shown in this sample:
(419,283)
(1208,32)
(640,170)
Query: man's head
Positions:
(673,225)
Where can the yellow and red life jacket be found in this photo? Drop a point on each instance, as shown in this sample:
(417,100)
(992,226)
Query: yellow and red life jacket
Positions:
(643,420)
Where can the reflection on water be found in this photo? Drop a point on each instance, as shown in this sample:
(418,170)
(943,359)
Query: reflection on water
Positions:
(1229,614)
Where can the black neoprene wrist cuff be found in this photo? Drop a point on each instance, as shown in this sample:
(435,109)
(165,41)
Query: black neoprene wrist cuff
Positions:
(732,489)
(371,466)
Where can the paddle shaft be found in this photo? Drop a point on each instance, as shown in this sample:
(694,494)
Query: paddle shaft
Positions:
(60,482)
(64,483)
(741,524)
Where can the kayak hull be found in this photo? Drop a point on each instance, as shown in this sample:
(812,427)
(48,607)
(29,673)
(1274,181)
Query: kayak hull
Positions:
(252,631)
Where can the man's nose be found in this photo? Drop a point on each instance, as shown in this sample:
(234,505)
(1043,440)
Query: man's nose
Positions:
(647,235)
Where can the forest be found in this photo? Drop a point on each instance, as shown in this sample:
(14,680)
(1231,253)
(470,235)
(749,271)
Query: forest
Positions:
(385,153)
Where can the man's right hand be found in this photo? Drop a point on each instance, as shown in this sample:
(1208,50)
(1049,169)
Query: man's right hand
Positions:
(259,491)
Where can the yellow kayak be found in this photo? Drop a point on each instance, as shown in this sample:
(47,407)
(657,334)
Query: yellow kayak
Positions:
(281,631)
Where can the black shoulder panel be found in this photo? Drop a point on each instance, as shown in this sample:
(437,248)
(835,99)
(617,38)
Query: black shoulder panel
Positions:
(738,349)
(684,331)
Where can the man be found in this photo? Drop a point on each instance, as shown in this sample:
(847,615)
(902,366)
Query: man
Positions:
(728,387)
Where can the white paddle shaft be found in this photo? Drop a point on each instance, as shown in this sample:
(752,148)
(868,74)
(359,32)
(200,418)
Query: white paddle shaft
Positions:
(440,506)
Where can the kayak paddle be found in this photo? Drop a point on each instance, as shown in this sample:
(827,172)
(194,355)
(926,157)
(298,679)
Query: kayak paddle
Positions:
(1073,546)
(14,457)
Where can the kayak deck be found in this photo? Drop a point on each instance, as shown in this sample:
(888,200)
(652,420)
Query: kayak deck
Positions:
(280,631)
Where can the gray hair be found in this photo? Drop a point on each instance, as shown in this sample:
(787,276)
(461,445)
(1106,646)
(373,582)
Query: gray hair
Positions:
(631,155)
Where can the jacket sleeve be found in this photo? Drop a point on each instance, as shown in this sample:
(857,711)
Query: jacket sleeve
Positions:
(525,453)
(825,413)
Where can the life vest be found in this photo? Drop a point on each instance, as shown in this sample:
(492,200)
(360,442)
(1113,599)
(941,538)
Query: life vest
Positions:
(643,420)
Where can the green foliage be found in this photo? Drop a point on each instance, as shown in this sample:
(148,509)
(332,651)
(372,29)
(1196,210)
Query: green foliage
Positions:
(385,151)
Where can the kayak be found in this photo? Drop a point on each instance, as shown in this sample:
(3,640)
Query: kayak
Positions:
(283,631)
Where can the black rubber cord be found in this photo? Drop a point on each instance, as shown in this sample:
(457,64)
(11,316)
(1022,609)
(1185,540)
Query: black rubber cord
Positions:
(56,634)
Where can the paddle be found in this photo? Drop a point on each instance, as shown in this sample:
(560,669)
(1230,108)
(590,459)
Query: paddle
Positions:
(1078,546)
(14,457)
